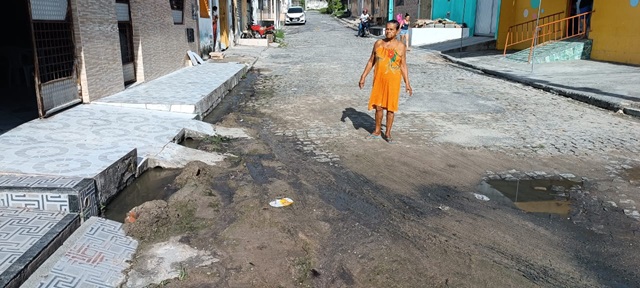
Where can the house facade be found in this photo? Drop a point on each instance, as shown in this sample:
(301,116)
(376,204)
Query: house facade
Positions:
(614,31)
(78,51)
(611,26)
(526,12)
(379,9)
(74,51)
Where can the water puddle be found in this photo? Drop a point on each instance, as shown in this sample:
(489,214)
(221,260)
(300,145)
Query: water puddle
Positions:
(536,195)
(154,184)
(632,174)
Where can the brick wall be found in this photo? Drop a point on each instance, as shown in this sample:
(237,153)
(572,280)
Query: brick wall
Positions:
(159,45)
(98,48)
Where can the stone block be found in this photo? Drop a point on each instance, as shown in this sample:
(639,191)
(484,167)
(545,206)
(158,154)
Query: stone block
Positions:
(116,177)
(50,193)
(47,231)
(216,55)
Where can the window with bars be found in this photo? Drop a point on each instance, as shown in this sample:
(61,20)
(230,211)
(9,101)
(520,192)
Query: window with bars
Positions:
(56,55)
(177,11)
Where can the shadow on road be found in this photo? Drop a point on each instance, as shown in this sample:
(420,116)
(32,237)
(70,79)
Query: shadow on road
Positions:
(359,119)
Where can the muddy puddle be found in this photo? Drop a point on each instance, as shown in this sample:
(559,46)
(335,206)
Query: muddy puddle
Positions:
(632,174)
(245,89)
(535,195)
(154,184)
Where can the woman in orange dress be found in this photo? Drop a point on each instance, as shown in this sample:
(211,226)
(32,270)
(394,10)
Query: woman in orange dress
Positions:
(388,58)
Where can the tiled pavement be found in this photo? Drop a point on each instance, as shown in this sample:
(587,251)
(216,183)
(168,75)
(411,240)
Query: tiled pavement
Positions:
(84,140)
(95,256)
(199,89)
(26,235)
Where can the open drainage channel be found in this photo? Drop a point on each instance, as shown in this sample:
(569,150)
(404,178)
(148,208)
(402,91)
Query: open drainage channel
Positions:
(156,183)
(548,195)
(153,184)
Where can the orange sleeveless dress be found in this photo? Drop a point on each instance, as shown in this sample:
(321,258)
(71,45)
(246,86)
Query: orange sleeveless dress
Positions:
(386,80)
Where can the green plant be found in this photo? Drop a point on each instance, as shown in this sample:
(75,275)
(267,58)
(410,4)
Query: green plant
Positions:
(334,7)
(279,36)
(324,10)
(217,139)
(183,274)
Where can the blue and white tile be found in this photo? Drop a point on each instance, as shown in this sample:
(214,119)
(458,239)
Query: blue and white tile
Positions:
(20,229)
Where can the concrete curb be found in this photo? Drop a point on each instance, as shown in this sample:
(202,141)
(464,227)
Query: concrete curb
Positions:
(349,24)
(601,103)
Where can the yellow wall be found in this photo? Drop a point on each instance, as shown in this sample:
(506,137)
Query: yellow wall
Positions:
(614,31)
(519,11)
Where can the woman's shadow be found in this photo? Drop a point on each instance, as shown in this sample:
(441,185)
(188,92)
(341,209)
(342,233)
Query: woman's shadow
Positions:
(359,119)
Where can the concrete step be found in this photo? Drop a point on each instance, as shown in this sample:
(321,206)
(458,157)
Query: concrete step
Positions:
(98,254)
(49,193)
(27,238)
(571,49)
(467,44)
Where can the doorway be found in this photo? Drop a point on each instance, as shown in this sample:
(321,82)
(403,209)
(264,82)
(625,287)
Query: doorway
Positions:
(18,102)
(576,26)
(486,17)
(125,30)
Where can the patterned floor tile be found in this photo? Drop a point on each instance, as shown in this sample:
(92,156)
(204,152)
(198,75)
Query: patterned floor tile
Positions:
(20,229)
(86,139)
(97,258)
(200,81)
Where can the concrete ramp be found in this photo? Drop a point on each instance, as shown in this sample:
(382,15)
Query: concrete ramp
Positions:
(192,90)
(467,44)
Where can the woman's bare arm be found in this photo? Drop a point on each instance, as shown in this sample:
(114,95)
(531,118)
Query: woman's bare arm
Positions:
(370,64)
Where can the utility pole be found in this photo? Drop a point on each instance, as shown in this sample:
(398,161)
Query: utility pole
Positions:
(535,35)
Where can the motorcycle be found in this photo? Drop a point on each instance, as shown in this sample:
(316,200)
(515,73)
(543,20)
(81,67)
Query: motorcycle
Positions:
(363,29)
(257,31)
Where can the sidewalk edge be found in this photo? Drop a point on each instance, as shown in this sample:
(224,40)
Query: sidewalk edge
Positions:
(604,104)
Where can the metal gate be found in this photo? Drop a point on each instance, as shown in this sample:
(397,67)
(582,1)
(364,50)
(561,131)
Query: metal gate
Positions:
(486,17)
(55,62)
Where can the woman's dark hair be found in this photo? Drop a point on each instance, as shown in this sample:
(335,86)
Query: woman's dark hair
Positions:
(406,14)
(395,22)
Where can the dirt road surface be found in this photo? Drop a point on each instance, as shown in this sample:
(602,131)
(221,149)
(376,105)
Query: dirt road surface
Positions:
(371,214)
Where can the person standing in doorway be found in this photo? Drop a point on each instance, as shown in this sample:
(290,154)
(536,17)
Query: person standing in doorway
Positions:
(404,30)
(389,60)
(214,20)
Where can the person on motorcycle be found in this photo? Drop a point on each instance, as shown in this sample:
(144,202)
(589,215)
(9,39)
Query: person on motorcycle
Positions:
(364,22)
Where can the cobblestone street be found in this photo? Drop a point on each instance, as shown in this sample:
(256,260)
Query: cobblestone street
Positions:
(460,127)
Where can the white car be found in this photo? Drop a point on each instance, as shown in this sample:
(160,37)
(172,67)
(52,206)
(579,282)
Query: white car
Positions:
(295,15)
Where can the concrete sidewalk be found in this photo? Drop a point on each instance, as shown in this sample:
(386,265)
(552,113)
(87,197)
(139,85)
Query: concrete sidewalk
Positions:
(606,85)
(56,173)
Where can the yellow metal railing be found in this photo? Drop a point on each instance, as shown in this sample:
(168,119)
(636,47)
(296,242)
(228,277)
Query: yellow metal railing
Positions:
(549,28)
(524,32)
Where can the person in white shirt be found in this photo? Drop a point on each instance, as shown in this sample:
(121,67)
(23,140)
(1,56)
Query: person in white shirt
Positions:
(364,22)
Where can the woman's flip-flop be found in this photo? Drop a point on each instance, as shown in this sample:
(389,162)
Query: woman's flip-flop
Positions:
(372,136)
(390,140)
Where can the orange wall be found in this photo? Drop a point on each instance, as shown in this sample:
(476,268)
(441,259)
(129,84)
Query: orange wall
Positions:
(519,11)
(614,31)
